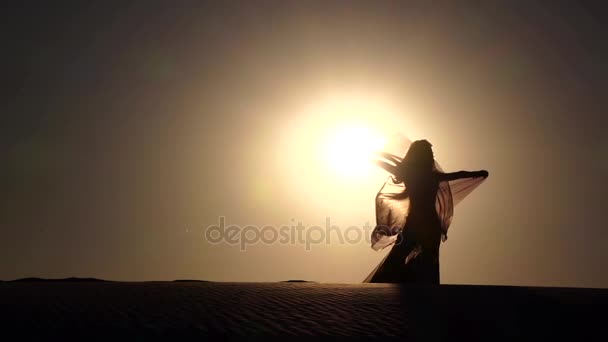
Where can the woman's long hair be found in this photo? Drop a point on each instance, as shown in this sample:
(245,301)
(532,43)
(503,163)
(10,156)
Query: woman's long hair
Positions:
(419,157)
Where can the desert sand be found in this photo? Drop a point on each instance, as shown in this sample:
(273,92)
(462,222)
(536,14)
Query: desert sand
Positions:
(91,309)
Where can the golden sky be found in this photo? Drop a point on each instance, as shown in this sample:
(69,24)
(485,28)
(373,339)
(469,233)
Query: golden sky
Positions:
(130,130)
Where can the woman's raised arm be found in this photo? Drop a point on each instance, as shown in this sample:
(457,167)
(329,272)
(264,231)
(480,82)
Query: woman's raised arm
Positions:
(463,174)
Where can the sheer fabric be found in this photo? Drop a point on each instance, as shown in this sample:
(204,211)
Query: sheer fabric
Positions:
(392,203)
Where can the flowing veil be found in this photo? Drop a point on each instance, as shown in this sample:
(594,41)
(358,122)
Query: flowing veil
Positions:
(392,202)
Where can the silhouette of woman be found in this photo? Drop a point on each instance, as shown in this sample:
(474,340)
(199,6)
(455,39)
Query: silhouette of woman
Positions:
(414,209)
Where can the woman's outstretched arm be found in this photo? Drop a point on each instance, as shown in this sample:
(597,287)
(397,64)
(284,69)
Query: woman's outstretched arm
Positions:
(463,174)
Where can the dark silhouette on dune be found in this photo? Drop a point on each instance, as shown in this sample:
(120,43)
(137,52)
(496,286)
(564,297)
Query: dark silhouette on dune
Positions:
(415,214)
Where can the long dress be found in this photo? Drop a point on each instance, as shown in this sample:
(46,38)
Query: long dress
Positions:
(406,222)
(415,254)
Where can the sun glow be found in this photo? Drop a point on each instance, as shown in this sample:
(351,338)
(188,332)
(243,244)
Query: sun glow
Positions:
(349,150)
(327,149)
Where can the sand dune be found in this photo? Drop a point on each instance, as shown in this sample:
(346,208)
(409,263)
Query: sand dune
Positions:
(95,309)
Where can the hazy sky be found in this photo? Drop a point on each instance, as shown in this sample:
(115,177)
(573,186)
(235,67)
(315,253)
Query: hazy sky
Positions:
(127,130)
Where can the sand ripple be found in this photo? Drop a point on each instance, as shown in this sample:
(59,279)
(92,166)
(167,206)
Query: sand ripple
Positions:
(166,309)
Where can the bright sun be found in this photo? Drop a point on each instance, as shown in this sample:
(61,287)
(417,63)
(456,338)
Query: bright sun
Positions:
(327,149)
(349,150)
(325,153)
